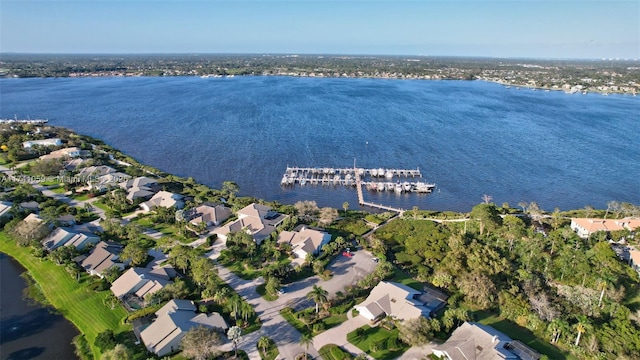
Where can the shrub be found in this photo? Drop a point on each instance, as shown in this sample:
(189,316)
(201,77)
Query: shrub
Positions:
(99,285)
(105,340)
(392,343)
(342,308)
(318,327)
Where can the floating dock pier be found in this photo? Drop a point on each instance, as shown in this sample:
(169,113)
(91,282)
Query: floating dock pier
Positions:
(391,180)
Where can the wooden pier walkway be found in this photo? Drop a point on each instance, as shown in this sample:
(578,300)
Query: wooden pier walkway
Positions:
(369,204)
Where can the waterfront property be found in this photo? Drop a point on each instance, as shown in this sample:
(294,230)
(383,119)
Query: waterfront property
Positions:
(481,342)
(584,227)
(399,302)
(142,281)
(104,256)
(71,152)
(46,142)
(140,188)
(209,214)
(257,220)
(305,240)
(163,199)
(68,237)
(172,323)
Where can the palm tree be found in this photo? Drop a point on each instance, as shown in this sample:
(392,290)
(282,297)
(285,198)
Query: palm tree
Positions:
(345,206)
(233,304)
(234,335)
(246,311)
(221,295)
(581,327)
(306,340)
(318,295)
(264,343)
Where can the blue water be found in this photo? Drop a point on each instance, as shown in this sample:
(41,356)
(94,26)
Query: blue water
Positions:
(470,138)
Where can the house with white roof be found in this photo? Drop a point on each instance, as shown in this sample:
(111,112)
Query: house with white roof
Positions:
(5,208)
(71,152)
(163,199)
(46,142)
(584,227)
(305,240)
(172,322)
(257,220)
(397,301)
(481,342)
(67,237)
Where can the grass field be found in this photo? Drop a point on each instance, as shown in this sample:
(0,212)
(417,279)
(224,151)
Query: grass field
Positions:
(83,307)
(334,352)
(380,336)
(402,277)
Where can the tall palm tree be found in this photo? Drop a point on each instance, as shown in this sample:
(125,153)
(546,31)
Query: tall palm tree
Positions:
(318,295)
(306,340)
(264,343)
(581,327)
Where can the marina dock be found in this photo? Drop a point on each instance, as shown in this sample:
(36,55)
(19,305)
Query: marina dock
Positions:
(392,180)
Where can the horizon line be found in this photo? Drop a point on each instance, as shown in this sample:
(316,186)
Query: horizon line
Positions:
(317,54)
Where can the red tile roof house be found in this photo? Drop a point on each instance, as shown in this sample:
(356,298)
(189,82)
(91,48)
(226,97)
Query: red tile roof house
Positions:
(584,227)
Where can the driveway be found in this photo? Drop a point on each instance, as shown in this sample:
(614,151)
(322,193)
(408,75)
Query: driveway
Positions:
(338,335)
(285,336)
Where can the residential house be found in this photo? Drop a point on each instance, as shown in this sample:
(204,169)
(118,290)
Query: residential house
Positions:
(5,208)
(211,215)
(584,227)
(108,181)
(71,152)
(172,322)
(67,237)
(72,164)
(140,188)
(257,220)
(163,199)
(481,342)
(95,171)
(142,281)
(104,256)
(398,301)
(30,206)
(634,258)
(305,240)
(46,142)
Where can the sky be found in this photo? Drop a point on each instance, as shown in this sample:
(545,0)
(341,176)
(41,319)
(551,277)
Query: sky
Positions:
(516,28)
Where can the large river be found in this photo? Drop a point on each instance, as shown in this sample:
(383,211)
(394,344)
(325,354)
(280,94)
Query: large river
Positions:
(470,138)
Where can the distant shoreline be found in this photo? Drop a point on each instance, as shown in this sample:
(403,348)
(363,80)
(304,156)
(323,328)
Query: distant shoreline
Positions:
(419,78)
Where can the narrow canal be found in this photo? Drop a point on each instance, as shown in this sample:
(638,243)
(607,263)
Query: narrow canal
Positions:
(29,331)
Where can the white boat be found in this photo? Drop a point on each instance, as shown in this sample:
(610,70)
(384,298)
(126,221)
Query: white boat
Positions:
(291,180)
(406,186)
(284,180)
(373,172)
(398,188)
(380,172)
(391,186)
(303,181)
(336,179)
(389,175)
(380,186)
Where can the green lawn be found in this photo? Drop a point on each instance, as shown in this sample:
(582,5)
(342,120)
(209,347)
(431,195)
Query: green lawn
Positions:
(377,335)
(85,197)
(272,352)
(84,308)
(517,332)
(402,277)
(328,322)
(58,190)
(334,352)
(262,291)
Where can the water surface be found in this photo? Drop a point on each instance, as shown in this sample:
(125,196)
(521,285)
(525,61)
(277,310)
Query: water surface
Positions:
(470,138)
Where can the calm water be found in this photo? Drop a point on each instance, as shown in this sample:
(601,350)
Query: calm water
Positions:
(470,138)
(26,331)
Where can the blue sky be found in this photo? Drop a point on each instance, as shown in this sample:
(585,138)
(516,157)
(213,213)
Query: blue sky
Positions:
(525,28)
